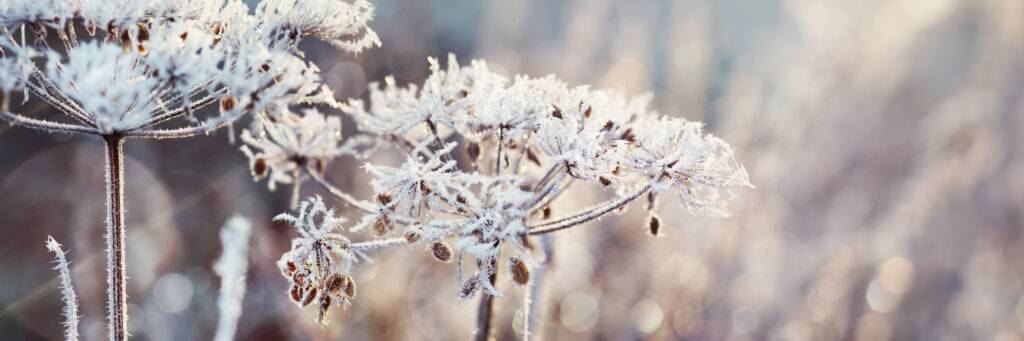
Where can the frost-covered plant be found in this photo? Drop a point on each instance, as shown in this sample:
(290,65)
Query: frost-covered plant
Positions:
(146,68)
(524,142)
(67,291)
(231,267)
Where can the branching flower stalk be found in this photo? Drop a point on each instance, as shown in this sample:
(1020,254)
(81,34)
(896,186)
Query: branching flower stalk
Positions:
(525,143)
(147,69)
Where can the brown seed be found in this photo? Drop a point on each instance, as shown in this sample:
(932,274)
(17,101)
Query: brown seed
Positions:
(325,304)
(3,101)
(288,269)
(628,135)
(423,188)
(546,212)
(143,33)
(334,284)
(473,151)
(217,29)
(586,114)
(412,236)
(557,113)
(468,288)
(654,225)
(384,198)
(126,38)
(183,36)
(608,126)
(228,104)
(320,165)
(520,272)
(259,167)
(265,67)
(441,252)
(382,225)
(604,181)
(350,286)
(142,50)
(91,28)
(310,295)
(295,293)
(532,157)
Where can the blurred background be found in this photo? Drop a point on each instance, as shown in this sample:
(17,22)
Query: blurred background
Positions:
(884,138)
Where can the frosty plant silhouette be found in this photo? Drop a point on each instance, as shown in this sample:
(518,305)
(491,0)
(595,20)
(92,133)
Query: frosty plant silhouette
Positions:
(525,142)
(485,155)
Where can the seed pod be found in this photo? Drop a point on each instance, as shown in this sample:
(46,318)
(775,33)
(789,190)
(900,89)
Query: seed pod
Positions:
(441,251)
(143,33)
(320,165)
(546,212)
(411,236)
(295,292)
(384,198)
(288,269)
(227,104)
(557,113)
(654,225)
(520,272)
(469,288)
(334,284)
(310,295)
(532,157)
(604,181)
(325,304)
(473,151)
(350,286)
(382,225)
(259,168)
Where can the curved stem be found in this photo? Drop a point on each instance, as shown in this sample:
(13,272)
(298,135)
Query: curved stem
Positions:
(117,295)
(362,205)
(532,300)
(588,214)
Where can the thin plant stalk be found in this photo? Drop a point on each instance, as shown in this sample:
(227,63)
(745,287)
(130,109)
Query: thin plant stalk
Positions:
(117,295)
(486,308)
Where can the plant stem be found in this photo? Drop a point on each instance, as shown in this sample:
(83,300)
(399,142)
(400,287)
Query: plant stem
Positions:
(589,213)
(117,296)
(484,312)
(532,301)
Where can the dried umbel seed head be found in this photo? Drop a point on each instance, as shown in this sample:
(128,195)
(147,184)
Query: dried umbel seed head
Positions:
(653,225)
(473,151)
(441,252)
(519,271)
(259,168)
(227,104)
(469,288)
(382,225)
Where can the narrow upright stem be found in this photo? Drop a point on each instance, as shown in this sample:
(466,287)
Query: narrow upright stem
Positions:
(484,312)
(117,295)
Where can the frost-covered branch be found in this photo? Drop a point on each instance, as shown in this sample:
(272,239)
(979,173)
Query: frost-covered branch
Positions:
(231,268)
(67,291)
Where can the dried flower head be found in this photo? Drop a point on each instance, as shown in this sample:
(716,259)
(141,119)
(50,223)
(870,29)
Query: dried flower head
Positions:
(312,265)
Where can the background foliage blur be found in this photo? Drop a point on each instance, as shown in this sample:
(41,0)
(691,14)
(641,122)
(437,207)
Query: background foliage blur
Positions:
(884,138)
